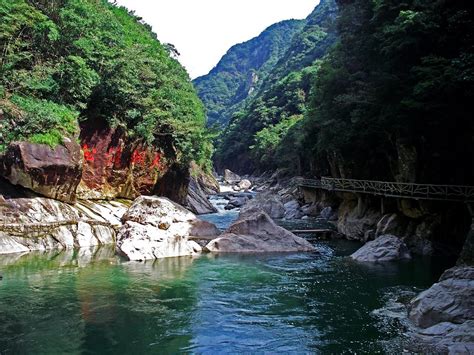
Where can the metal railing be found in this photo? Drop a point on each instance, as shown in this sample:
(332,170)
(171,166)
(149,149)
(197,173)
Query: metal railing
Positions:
(394,189)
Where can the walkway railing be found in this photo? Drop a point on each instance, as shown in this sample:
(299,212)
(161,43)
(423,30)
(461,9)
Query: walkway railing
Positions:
(394,189)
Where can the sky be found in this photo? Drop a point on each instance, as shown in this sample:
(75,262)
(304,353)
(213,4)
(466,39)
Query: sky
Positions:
(203,30)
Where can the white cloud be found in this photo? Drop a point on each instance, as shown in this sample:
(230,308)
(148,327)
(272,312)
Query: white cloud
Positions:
(203,30)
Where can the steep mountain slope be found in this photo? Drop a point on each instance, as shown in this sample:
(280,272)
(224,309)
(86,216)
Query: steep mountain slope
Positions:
(241,70)
(250,139)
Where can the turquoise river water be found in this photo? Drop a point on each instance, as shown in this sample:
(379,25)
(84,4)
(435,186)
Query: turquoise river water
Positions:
(94,302)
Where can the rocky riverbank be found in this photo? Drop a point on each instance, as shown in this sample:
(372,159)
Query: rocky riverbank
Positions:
(395,229)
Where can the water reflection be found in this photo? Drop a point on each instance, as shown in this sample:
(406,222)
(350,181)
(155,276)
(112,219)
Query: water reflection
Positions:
(91,301)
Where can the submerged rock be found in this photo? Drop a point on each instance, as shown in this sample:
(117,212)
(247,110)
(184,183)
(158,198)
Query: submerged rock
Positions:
(51,172)
(384,248)
(445,312)
(256,233)
(155,227)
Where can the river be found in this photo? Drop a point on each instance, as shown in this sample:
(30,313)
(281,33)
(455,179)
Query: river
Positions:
(91,301)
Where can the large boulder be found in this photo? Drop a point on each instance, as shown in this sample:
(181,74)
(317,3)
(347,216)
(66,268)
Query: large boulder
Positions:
(51,172)
(231,177)
(156,227)
(269,203)
(444,313)
(449,300)
(256,233)
(384,248)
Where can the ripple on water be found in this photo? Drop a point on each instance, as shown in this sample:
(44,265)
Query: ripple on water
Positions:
(308,302)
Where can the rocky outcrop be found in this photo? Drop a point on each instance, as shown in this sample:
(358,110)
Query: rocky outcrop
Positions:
(156,227)
(116,166)
(384,248)
(445,312)
(270,203)
(28,224)
(197,200)
(201,184)
(255,232)
(51,172)
(449,300)
(357,218)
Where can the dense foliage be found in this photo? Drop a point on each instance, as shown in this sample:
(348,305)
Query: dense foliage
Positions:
(69,60)
(281,101)
(242,69)
(400,80)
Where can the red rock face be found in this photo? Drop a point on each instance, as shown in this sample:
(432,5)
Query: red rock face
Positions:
(52,172)
(115,166)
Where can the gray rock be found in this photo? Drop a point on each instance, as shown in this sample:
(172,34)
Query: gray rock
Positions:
(255,233)
(394,224)
(444,313)
(201,228)
(238,201)
(267,202)
(231,177)
(326,213)
(141,237)
(384,248)
(449,300)
(292,210)
(245,184)
(196,200)
(312,210)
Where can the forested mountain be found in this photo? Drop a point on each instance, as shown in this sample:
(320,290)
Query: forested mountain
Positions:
(241,70)
(250,140)
(66,61)
(392,99)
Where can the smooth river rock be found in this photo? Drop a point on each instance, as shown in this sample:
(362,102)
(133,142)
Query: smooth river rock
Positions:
(384,248)
(156,227)
(256,233)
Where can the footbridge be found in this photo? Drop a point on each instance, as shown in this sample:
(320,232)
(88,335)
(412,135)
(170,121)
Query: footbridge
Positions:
(393,189)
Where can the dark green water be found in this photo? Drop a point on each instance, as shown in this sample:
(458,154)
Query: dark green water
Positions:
(279,303)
